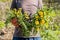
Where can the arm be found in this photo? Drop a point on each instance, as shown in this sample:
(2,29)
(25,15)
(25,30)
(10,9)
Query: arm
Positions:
(40,4)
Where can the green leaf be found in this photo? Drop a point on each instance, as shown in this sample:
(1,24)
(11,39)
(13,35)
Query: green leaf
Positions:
(2,24)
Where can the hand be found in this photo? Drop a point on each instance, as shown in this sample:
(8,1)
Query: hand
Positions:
(14,21)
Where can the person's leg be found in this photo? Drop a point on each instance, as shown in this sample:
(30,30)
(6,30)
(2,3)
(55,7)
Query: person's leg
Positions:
(37,38)
(17,38)
(31,38)
(25,39)
(34,38)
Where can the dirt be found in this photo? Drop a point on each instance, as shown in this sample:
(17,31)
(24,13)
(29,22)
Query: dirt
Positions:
(9,33)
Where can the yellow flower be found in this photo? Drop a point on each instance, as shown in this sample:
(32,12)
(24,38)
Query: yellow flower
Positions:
(36,17)
(42,21)
(20,9)
(41,16)
(14,10)
(27,17)
(37,29)
(18,13)
(26,14)
(37,22)
(40,13)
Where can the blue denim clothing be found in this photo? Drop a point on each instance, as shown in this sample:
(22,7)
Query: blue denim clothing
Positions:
(30,38)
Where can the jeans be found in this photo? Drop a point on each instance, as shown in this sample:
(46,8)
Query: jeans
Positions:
(31,38)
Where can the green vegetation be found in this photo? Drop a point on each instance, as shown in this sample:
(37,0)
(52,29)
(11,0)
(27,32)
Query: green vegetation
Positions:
(51,29)
(5,0)
(2,24)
